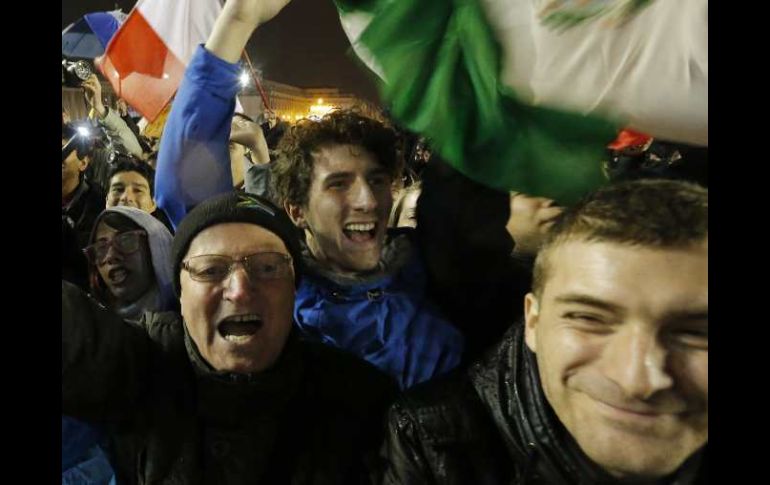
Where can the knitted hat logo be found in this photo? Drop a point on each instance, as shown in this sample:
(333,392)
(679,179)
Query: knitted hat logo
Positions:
(249,202)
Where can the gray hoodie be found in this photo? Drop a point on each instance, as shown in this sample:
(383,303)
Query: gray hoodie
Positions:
(161,296)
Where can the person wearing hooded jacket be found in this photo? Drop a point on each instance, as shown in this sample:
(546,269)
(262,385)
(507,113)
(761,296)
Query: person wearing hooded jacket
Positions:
(130,272)
(129,269)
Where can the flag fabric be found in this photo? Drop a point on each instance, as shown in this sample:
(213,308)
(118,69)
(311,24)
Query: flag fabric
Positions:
(630,139)
(147,56)
(89,36)
(527,94)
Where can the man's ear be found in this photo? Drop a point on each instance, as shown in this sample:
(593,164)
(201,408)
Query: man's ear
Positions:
(296,214)
(154,205)
(531,317)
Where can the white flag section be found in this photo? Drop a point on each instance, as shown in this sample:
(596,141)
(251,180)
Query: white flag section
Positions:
(146,59)
(649,72)
(182,24)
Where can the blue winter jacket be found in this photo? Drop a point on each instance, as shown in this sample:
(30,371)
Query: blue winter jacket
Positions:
(386,320)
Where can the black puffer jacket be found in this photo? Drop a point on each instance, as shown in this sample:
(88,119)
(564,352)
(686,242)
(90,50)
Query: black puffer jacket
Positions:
(492,425)
(315,417)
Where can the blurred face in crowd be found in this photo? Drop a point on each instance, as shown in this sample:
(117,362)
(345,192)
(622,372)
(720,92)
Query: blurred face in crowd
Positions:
(240,323)
(422,153)
(271,119)
(346,216)
(124,262)
(621,338)
(130,189)
(71,168)
(243,134)
(408,215)
(530,219)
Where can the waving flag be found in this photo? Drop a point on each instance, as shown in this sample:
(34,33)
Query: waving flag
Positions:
(146,58)
(526,94)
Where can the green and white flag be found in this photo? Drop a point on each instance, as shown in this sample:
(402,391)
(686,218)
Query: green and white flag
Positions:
(525,94)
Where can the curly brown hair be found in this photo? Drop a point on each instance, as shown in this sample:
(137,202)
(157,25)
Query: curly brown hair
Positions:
(292,173)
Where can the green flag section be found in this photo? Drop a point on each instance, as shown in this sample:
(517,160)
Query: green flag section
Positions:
(504,98)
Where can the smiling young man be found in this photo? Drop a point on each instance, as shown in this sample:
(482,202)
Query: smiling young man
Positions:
(226,392)
(130,184)
(335,179)
(607,379)
(345,208)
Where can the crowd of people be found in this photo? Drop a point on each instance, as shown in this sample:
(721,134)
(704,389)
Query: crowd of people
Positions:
(330,302)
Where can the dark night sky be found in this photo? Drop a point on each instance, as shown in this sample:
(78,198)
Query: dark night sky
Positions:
(303,46)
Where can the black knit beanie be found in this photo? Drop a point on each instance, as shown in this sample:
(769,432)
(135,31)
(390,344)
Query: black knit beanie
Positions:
(235,207)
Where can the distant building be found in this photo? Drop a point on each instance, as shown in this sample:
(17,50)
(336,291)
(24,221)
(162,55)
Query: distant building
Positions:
(289,103)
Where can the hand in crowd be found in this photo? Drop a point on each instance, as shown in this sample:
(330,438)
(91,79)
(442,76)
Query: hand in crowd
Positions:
(237,22)
(93,93)
(254,12)
(121,107)
(249,134)
(529,221)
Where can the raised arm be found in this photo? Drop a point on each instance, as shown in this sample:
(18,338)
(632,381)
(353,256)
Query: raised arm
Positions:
(194,162)
(117,130)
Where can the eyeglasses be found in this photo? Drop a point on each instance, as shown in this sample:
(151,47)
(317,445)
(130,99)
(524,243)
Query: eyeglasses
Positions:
(213,268)
(126,243)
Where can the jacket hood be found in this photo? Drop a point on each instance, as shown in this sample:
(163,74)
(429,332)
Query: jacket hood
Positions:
(159,240)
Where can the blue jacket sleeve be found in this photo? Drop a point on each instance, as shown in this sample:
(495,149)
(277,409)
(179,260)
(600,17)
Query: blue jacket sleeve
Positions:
(194,161)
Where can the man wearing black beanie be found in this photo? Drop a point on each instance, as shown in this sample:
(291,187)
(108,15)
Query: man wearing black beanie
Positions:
(225,392)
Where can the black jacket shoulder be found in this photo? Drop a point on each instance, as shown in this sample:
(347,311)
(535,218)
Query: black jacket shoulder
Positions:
(439,432)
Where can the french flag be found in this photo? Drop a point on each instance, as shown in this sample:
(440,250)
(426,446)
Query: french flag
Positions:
(146,58)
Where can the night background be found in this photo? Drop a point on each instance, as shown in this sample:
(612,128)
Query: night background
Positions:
(304,45)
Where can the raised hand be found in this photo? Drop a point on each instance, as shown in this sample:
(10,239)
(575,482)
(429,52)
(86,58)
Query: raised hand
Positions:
(236,23)
(92,90)
(254,12)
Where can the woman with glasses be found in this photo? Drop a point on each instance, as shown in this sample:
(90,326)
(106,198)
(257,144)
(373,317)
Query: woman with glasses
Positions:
(129,269)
